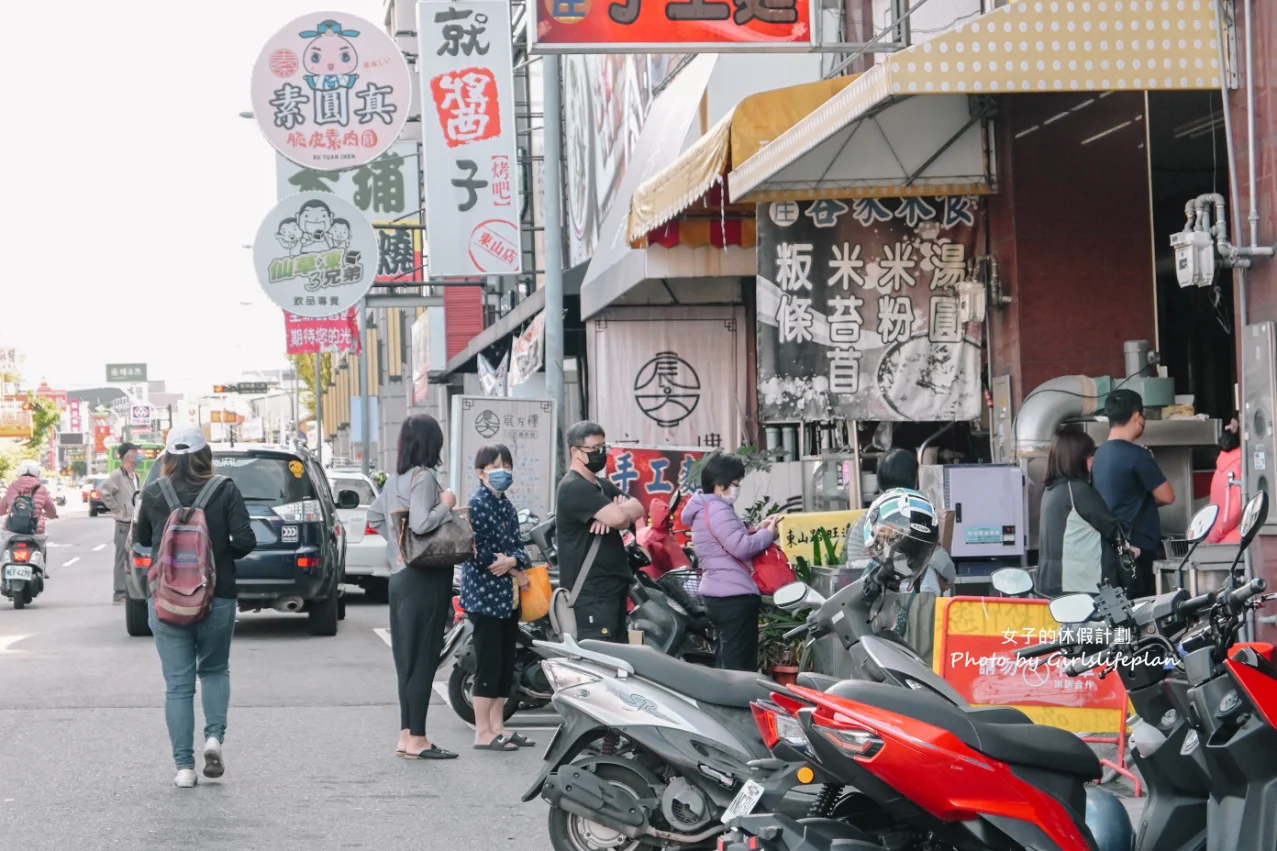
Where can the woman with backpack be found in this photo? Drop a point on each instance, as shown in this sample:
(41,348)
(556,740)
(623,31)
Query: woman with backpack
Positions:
(192,644)
(420,598)
(26,504)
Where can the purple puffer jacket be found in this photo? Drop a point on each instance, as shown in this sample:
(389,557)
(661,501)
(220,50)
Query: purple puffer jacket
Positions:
(727,552)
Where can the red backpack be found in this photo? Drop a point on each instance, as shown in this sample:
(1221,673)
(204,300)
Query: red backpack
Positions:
(183,573)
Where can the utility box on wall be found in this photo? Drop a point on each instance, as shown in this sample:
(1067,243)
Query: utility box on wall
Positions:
(1259,386)
(987,501)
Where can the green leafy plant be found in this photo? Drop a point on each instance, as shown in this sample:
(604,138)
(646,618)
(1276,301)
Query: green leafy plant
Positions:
(304,365)
(773,648)
(760,510)
(755,460)
(45,418)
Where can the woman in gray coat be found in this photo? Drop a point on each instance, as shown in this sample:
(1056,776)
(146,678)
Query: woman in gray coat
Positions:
(420,599)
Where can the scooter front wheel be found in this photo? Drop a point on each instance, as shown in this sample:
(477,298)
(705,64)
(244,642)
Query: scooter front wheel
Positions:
(461,696)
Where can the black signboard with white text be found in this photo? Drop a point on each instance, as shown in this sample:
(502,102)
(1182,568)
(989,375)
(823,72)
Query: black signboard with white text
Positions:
(858,310)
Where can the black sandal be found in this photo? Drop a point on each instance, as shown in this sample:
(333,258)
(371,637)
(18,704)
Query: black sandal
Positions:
(432,752)
(522,741)
(498,743)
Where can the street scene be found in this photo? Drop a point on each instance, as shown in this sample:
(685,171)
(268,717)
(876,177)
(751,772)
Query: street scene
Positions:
(608,425)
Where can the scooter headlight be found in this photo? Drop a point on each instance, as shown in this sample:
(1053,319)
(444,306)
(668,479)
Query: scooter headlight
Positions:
(563,676)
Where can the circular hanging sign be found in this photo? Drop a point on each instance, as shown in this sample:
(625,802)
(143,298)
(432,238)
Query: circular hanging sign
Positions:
(315,254)
(331,91)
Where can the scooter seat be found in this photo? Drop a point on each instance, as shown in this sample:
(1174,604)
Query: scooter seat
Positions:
(721,688)
(1031,745)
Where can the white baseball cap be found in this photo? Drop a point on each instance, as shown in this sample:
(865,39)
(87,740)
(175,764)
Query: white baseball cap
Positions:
(185,439)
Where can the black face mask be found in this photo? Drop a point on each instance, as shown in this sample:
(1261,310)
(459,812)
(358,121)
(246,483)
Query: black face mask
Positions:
(595,459)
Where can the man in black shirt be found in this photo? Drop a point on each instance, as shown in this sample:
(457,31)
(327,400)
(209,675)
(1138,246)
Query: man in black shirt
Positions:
(588,505)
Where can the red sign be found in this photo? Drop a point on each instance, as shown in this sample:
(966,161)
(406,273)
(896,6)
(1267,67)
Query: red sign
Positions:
(650,474)
(100,434)
(467,106)
(305,336)
(657,26)
(985,670)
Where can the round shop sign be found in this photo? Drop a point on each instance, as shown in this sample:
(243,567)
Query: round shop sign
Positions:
(331,91)
(315,254)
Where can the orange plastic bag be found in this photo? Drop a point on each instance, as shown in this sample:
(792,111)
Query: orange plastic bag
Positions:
(536,599)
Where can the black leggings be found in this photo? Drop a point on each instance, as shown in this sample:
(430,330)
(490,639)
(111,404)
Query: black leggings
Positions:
(735,621)
(495,640)
(420,611)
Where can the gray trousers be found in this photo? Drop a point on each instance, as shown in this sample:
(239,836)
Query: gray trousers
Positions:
(122,559)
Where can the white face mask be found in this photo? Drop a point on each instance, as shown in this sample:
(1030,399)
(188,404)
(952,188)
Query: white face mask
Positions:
(731,495)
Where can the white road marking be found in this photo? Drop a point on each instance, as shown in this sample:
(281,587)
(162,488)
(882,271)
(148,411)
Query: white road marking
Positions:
(99,548)
(384,635)
(7,640)
(71,562)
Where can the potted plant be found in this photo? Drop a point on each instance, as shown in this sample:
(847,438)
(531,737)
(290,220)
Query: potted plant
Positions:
(779,656)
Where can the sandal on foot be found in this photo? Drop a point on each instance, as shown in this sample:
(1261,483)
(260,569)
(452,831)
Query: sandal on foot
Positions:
(522,741)
(432,752)
(498,743)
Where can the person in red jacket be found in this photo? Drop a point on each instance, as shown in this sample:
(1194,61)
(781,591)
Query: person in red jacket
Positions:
(28,484)
(1226,487)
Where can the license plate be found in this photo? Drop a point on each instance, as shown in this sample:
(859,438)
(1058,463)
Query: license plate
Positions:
(17,571)
(744,802)
(288,534)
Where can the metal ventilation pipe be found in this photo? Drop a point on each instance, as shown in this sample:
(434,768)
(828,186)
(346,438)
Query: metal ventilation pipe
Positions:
(1050,404)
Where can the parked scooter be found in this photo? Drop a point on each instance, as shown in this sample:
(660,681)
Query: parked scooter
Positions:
(21,570)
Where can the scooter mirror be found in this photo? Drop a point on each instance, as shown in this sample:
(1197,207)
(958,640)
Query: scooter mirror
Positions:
(1254,515)
(1074,608)
(1011,581)
(1203,522)
(791,596)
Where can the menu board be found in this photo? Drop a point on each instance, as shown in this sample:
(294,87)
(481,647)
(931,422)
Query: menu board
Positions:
(526,427)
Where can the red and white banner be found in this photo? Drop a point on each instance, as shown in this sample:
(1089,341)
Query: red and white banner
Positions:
(335,334)
(648,473)
(75,416)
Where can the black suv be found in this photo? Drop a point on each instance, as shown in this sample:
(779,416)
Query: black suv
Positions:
(299,562)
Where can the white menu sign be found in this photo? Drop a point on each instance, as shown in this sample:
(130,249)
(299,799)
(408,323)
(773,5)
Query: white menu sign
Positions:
(527,428)
(468,137)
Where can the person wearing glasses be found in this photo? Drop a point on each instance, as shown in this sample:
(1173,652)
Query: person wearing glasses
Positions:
(590,506)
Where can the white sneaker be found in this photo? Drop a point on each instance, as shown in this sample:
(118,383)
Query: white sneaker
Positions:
(185,778)
(213,766)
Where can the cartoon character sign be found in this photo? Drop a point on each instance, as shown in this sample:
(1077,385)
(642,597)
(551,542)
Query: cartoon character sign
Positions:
(331,91)
(315,254)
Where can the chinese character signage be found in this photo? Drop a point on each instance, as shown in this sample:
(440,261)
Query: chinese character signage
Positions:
(858,310)
(419,348)
(669,376)
(649,473)
(315,254)
(386,190)
(671,26)
(336,334)
(331,91)
(527,427)
(468,138)
(125,373)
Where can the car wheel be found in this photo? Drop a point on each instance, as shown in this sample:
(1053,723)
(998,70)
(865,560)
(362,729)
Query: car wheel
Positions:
(341,607)
(135,618)
(93,512)
(377,589)
(324,616)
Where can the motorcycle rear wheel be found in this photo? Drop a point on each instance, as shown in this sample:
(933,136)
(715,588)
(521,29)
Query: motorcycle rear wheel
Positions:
(20,598)
(569,832)
(461,694)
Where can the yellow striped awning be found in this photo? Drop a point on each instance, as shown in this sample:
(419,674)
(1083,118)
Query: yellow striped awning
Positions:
(1025,46)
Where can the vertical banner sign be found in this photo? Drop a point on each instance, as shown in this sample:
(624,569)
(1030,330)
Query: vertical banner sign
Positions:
(385,190)
(420,351)
(315,254)
(468,137)
(336,334)
(649,473)
(527,352)
(668,377)
(671,26)
(75,416)
(331,91)
(858,310)
(526,427)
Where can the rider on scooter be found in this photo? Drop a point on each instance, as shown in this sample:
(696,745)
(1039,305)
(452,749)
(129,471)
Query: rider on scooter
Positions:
(28,484)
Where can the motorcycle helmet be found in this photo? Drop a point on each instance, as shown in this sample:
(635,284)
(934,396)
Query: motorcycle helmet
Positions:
(902,531)
(29,468)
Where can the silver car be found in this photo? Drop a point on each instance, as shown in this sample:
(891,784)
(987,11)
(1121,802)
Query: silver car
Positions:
(366,562)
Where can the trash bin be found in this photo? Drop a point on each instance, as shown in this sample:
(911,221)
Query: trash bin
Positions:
(827,654)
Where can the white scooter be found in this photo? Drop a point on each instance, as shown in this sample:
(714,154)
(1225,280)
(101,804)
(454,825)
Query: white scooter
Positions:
(21,570)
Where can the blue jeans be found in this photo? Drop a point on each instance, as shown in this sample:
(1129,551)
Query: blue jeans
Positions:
(185,652)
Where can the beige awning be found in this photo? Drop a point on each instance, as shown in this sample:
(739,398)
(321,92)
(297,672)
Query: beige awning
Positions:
(1025,46)
(755,121)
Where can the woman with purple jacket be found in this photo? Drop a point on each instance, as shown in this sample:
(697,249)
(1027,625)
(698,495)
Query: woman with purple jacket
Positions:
(726,550)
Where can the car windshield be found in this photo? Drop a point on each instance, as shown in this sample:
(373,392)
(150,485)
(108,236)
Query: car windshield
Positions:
(359,486)
(262,477)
